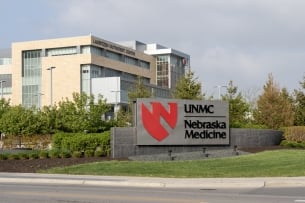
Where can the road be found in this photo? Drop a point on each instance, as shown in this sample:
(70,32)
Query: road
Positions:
(62,193)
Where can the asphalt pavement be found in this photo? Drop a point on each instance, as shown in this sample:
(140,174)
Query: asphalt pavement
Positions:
(121,181)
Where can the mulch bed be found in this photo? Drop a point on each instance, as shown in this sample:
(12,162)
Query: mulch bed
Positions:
(34,165)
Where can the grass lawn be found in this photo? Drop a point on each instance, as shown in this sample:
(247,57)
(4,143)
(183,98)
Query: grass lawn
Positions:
(285,163)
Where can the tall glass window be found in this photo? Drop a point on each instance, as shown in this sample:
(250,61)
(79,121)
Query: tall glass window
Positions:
(162,71)
(176,70)
(31,78)
(87,73)
(86,82)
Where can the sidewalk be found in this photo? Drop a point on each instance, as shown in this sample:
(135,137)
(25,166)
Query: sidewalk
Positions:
(123,181)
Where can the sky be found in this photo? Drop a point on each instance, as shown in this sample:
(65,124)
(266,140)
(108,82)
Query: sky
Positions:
(238,40)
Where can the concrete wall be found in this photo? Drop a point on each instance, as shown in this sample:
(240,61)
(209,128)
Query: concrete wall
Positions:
(123,142)
(255,137)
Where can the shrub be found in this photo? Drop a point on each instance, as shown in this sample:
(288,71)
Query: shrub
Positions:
(99,153)
(54,153)
(13,156)
(294,133)
(293,144)
(89,153)
(3,156)
(24,155)
(253,126)
(34,155)
(43,154)
(76,154)
(82,141)
(65,154)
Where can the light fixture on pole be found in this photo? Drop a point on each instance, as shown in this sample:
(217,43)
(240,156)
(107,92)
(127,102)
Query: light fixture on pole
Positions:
(51,84)
(219,89)
(1,82)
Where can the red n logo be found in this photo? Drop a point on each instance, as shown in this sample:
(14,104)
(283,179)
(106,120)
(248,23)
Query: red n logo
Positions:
(151,120)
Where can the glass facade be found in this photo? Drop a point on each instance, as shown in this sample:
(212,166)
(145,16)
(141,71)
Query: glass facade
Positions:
(170,69)
(31,78)
(176,70)
(162,70)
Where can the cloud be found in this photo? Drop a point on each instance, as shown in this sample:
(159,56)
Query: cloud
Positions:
(234,40)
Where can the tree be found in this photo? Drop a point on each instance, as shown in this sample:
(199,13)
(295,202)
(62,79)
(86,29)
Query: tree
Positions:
(4,106)
(238,107)
(274,108)
(188,87)
(81,114)
(138,90)
(299,104)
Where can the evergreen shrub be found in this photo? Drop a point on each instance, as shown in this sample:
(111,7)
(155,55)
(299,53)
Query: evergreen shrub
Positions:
(82,142)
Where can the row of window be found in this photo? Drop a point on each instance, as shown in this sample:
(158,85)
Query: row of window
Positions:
(99,52)
(61,51)
(115,56)
(5,61)
(93,71)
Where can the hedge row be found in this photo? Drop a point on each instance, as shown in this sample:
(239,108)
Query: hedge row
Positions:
(82,142)
(50,154)
(293,144)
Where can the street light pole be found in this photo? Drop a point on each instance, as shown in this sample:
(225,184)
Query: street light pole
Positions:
(219,89)
(51,85)
(2,81)
(115,108)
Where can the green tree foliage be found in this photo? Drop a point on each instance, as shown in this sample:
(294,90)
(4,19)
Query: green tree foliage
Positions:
(188,87)
(274,107)
(81,114)
(19,120)
(47,116)
(238,107)
(138,91)
(4,106)
(299,104)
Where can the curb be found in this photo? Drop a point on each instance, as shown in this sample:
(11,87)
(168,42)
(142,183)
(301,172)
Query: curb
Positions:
(118,181)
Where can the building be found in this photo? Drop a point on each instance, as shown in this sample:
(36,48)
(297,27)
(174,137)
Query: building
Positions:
(44,72)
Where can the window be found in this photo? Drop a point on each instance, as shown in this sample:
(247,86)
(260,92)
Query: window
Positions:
(61,51)
(113,55)
(31,78)
(5,61)
(144,64)
(162,70)
(92,50)
(131,61)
